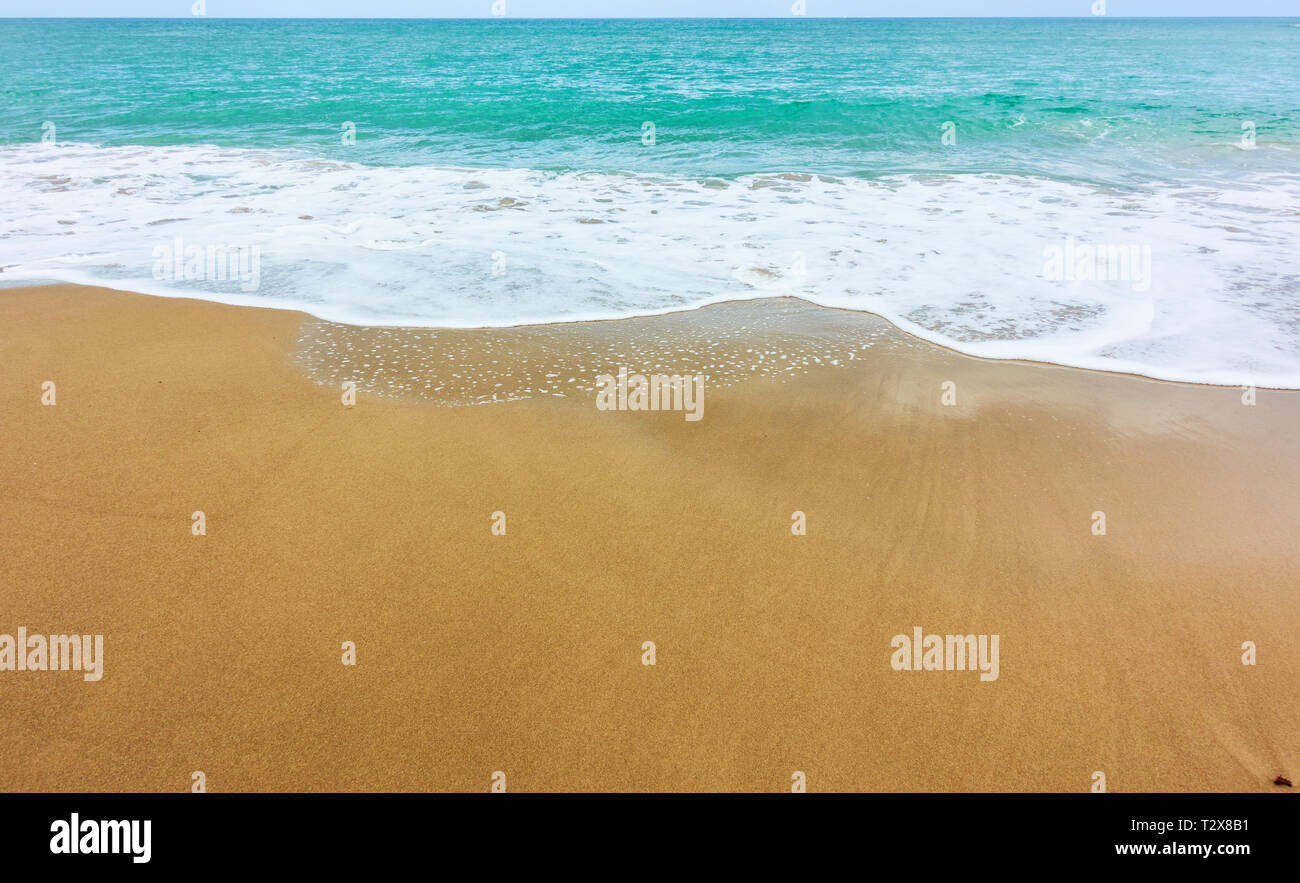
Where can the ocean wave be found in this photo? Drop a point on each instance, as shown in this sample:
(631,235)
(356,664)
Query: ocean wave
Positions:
(1199,281)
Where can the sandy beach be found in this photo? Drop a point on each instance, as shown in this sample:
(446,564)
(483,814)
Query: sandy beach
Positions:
(523,653)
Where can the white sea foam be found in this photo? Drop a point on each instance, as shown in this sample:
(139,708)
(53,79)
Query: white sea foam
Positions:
(957,259)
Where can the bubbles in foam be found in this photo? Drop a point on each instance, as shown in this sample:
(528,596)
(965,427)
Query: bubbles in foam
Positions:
(727,343)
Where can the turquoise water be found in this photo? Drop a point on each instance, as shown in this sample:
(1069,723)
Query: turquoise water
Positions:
(788,157)
(727,97)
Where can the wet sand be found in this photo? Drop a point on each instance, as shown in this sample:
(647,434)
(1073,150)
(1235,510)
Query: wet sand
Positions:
(523,653)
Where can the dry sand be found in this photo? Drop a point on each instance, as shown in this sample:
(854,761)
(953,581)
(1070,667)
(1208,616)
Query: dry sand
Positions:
(522,653)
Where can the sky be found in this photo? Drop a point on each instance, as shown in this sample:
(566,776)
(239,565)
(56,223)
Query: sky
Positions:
(636,8)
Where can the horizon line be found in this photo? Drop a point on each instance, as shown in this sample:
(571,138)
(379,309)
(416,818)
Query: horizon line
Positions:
(632,17)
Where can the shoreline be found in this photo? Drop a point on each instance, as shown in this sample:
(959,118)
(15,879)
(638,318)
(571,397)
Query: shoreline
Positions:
(250,302)
(523,652)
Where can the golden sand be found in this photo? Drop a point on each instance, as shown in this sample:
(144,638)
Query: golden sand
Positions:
(523,653)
